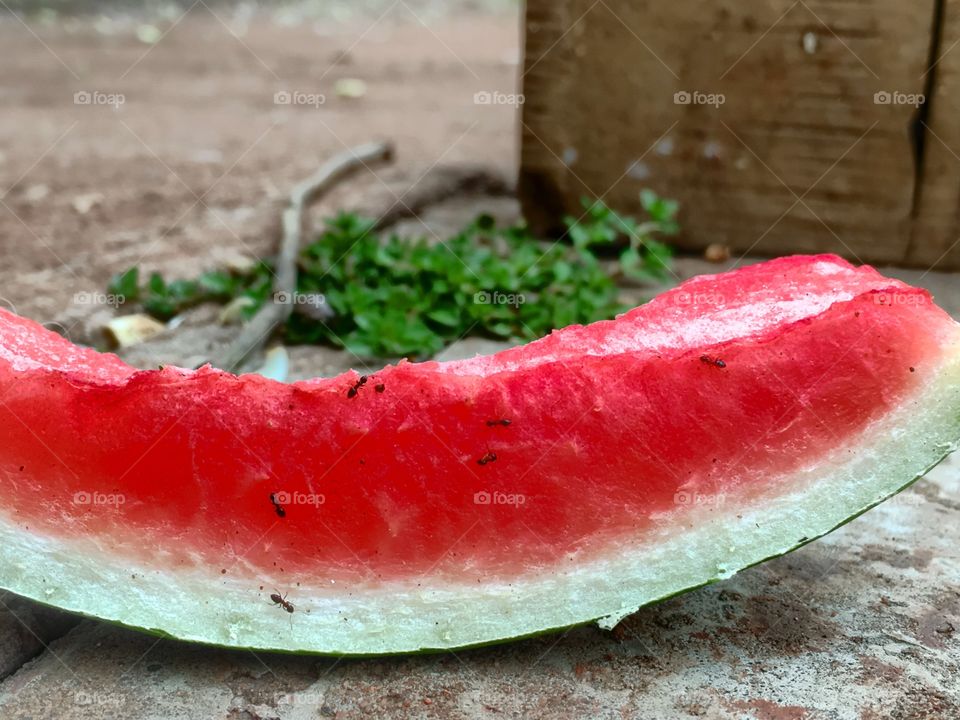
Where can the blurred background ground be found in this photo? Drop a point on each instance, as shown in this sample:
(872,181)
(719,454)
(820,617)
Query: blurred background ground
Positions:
(192,170)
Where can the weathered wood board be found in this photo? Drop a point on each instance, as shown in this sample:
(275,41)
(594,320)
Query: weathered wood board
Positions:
(935,239)
(781,126)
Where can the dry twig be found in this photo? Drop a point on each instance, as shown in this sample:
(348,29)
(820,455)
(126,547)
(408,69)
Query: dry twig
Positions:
(255,333)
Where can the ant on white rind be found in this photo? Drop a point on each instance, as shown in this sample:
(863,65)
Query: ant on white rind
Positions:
(281,600)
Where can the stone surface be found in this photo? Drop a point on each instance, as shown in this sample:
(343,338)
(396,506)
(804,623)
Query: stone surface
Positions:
(26,628)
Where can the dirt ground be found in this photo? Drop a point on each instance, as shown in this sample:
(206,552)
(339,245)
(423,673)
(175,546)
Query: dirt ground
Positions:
(182,158)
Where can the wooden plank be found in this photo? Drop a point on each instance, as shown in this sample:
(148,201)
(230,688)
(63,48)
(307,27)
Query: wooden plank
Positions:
(935,240)
(798,157)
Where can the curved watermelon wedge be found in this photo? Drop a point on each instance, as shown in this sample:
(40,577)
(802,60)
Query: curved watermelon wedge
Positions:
(441,505)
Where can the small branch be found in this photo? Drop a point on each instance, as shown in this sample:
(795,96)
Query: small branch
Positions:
(256,332)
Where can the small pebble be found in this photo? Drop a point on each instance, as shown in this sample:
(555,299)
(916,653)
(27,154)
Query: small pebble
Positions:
(716,253)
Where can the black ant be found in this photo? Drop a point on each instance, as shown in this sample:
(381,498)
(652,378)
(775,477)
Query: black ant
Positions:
(492,423)
(277,506)
(712,361)
(277,599)
(488,458)
(352,392)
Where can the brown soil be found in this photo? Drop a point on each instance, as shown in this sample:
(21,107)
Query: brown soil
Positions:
(193,167)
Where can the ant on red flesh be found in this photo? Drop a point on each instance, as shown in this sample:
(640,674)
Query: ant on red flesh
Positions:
(492,423)
(712,361)
(488,458)
(352,392)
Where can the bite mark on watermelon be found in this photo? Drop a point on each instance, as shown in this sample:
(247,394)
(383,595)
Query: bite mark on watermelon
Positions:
(441,505)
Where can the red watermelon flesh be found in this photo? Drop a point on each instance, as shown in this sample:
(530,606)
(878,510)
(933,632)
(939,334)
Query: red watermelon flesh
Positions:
(436,484)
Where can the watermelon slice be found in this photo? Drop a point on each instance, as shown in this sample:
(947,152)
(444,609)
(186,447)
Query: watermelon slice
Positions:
(442,505)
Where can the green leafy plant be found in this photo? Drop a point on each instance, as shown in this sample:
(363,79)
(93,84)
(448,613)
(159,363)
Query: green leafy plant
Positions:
(393,297)
(164,300)
(644,257)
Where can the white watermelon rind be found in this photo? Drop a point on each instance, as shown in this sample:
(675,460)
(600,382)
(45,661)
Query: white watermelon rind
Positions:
(886,457)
